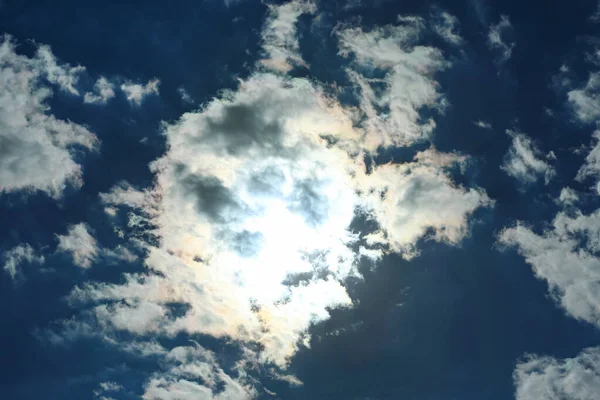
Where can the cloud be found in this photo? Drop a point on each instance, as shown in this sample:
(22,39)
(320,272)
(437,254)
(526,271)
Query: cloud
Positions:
(584,101)
(136,93)
(446,26)
(103,91)
(567,197)
(18,255)
(35,147)
(390,104)
(564,256)
(497,40)
(525,162)
(591,167)
(185,96)
(576,378)
(250,214)
(82,246)
(406,200)
(482,124)
(280,42)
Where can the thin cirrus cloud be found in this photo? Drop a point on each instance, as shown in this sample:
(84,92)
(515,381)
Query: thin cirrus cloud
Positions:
(497,40)
(252,205)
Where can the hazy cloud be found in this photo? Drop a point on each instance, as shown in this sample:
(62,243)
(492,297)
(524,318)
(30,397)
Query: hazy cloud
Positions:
(483,125)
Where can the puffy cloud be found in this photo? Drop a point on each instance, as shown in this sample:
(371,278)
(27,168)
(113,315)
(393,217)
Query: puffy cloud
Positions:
(18,255)
(103,91)
(497,40)
(185,96)
(391,104)
(446,26)
(136,92)
(525,162)
(576,378)
(35,147)
(565,257)
(280,42)
(82,246)
(584,101)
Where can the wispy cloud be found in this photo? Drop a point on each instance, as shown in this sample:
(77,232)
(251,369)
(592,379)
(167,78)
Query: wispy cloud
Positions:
(18,255)
(280,42)
(525,162)
(497,40)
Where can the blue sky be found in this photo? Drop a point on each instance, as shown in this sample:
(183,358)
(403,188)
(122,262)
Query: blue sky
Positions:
(300,199)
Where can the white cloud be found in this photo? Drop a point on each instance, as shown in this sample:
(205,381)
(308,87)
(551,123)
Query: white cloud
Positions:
(280,41)
(406,200)
(567,197)
(82,246)
(18,255)
(525,162)
(251,209)
(565,257)
(136,93)
(103,91)
(585,100)
(390,105)
(483,125)
(35,147)
(591,167)
(576,378)
(446,26)
(497,40)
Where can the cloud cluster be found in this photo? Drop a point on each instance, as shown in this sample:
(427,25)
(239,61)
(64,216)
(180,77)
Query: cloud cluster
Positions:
(36,148)
(253,201)
(525,162)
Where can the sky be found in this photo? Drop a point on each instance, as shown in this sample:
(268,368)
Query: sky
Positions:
(305,199)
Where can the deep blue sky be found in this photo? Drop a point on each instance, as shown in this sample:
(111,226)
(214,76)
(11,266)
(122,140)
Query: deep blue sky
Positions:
(467,313)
